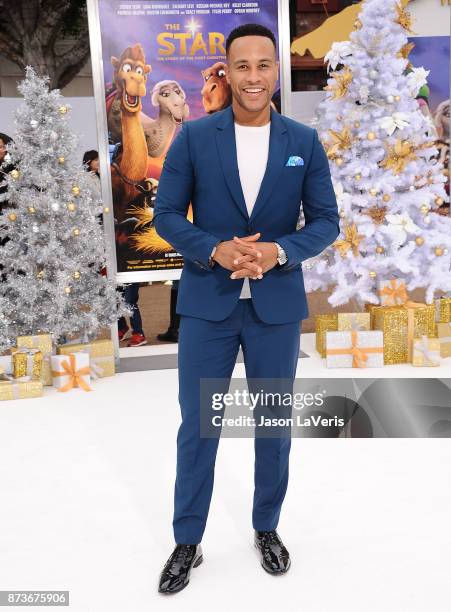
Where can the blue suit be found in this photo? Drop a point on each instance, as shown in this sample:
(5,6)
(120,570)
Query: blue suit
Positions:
(201,167)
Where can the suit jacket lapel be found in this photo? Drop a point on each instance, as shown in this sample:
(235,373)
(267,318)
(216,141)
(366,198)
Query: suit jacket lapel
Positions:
(225,140)
(277,156)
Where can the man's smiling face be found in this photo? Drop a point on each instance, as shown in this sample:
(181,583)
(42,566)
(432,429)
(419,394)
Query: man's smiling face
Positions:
(252,71)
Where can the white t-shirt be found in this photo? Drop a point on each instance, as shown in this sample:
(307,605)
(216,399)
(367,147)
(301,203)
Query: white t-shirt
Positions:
(252,146)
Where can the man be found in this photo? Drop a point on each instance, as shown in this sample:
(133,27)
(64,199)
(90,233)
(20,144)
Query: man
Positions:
(245,169)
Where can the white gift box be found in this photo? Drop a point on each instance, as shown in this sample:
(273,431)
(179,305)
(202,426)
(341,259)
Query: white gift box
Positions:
(355,349)
(71,371)
(6,364)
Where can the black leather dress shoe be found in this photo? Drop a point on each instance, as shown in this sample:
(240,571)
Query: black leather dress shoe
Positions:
(275,558)
(177,569)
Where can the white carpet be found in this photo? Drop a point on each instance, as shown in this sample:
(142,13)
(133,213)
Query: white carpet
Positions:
(86,483)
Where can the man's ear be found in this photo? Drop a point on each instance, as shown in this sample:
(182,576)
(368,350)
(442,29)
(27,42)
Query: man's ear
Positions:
(226,69)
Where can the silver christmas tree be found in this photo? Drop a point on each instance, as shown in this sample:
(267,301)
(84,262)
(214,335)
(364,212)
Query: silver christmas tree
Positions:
(52,260)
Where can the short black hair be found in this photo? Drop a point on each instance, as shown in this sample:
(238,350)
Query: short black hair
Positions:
(249,29)
(90,156)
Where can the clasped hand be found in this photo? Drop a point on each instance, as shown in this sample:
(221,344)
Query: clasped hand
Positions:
(244,258)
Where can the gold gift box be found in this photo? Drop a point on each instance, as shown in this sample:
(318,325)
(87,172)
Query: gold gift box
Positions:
(444,337)
(10,390)
(359,321)
(27,362)
(443,310)
(324,323)
(401,324)
(371,309)
(44,343)
(426,352)
(101,353)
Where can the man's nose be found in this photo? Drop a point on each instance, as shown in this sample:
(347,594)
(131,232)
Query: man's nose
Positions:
(253,76)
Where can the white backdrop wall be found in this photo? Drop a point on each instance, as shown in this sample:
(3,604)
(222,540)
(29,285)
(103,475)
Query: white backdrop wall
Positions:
(82,119)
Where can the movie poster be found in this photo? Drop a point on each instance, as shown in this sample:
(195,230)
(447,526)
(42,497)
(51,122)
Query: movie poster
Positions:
(163,64)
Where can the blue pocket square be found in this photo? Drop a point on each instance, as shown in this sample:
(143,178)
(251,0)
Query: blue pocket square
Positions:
(294,160)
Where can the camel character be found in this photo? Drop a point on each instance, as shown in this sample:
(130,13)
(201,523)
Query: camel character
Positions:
(216,93)
(130,168)
(170,99)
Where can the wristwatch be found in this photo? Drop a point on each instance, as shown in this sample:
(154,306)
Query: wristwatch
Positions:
(211,261)
(281,255)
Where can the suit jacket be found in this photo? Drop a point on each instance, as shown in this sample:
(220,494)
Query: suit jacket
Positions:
(201,168)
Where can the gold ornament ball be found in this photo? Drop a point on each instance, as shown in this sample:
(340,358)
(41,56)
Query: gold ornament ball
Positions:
(12,216)
(358,177)
(386,198)
(372,274)
(40,274)
(31,209)
(424,209)
(339,161)
(67,290)
(397,98)
(76,232)
(438,251)
(61,159)
(371,135)
(380,250)
(76,275)
(15,174)
(106,210)
(357,124)
(63,110)
(373,192)
(342,214)
(76,190)
(71,206)
(439,201)
(419,241)
(357,24)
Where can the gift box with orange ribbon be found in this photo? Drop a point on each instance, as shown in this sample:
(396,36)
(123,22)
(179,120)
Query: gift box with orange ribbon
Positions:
(392,292)
(70,371)
(354,349)
(324,323)
(101,356)
(401,325)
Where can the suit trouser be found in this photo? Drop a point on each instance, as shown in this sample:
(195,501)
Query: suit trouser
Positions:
(208,349)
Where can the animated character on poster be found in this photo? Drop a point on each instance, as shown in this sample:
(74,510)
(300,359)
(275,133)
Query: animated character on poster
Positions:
(144,141)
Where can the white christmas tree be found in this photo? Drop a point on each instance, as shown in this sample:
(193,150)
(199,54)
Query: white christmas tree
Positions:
(381,151)
(52,260)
